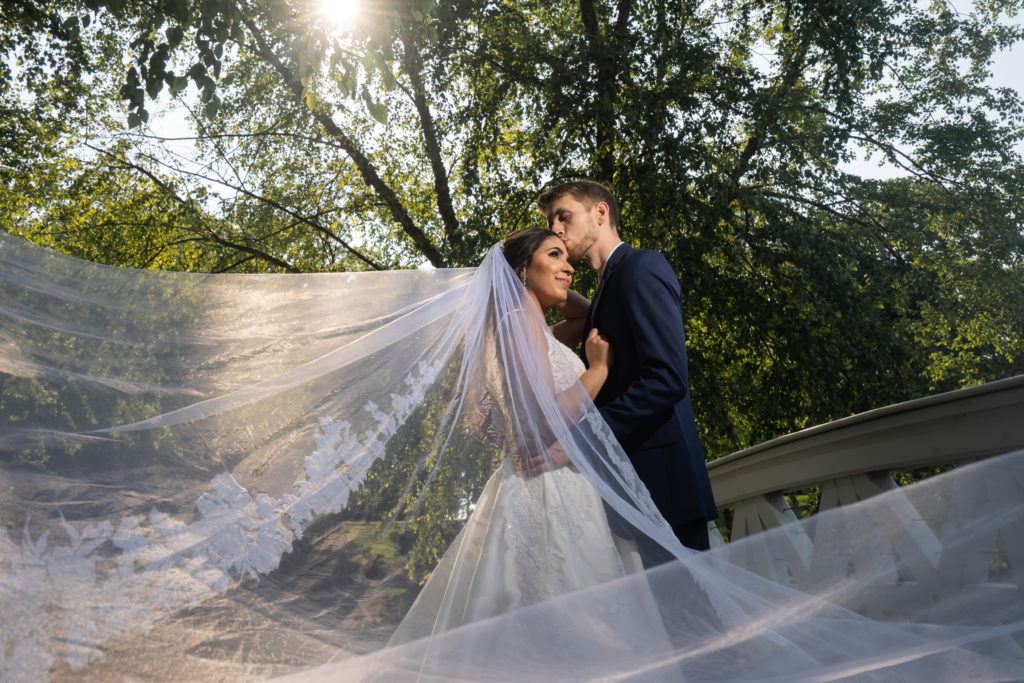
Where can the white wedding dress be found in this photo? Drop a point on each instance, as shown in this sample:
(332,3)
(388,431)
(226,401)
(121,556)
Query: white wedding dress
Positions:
(529,539)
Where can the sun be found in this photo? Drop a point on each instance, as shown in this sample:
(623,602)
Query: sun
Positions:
(340,12)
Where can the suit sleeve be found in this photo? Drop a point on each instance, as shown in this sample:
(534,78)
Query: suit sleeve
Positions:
(653,308)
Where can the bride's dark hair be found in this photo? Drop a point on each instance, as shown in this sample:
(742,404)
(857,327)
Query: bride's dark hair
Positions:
(520,245)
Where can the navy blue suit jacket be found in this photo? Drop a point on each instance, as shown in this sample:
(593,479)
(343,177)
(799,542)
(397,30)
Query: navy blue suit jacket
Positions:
(646,398)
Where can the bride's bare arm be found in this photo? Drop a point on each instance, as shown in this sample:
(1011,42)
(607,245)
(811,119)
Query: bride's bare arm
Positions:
(570,332)
(574,310)
(599,355)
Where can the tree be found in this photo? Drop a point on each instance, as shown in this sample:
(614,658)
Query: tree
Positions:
(424,133)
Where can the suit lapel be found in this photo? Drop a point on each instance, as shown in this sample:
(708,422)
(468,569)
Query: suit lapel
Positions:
(609,269)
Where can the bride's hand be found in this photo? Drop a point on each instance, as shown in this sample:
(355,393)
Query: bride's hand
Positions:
(598,350)
(555,458)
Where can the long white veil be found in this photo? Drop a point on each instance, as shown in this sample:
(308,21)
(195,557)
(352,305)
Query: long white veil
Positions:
(228,476)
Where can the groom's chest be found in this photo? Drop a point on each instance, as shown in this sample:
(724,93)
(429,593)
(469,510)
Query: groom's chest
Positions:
(605,308)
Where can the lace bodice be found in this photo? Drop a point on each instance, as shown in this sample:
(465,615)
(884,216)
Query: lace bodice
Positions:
(564,373)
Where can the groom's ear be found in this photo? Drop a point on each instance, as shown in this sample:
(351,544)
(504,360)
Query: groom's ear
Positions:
(602,212)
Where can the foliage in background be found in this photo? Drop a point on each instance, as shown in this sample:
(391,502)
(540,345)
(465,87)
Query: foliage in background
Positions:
(422,133)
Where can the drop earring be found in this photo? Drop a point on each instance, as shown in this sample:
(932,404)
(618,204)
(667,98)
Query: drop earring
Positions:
(522,276)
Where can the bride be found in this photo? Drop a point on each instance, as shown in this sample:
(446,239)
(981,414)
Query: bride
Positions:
(276,429)
(539,528)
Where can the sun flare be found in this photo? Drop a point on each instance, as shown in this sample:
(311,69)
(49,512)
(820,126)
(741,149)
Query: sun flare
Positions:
(340,12)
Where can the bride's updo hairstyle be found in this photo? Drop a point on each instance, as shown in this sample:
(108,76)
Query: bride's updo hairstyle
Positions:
(520,245)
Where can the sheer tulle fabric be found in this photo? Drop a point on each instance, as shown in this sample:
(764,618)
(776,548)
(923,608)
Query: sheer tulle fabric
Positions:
(236,477)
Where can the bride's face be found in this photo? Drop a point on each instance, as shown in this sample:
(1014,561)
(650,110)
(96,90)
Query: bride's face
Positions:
(549,275)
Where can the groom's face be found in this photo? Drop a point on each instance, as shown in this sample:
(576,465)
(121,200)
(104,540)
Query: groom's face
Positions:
(575,223)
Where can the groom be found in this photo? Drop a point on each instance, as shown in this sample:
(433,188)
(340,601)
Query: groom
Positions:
(646,401)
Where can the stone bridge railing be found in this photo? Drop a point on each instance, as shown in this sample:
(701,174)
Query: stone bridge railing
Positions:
(851,459)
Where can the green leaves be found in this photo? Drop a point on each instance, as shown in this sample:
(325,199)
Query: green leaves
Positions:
(426,132)
(175,34)
(132,91)
(376,109)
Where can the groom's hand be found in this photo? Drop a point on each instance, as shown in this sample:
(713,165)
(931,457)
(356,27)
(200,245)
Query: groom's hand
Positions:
(555,458)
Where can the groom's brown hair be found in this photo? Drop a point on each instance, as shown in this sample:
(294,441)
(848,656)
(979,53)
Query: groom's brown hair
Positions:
(586,192)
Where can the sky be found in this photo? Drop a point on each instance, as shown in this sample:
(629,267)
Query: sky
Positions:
(1007,72)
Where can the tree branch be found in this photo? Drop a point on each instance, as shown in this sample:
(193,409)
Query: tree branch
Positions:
(299,217)
(910,166)
(244,248)
(234,265)
(793,67)
(604,56)
(413,67)
(589,17)
(625,9)
(868,222)
(363,164)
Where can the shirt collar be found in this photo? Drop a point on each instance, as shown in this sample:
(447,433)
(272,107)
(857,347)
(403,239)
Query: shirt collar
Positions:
(609,258)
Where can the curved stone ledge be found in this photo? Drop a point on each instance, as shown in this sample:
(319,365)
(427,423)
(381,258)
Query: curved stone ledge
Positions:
(946,428)
(851,460)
